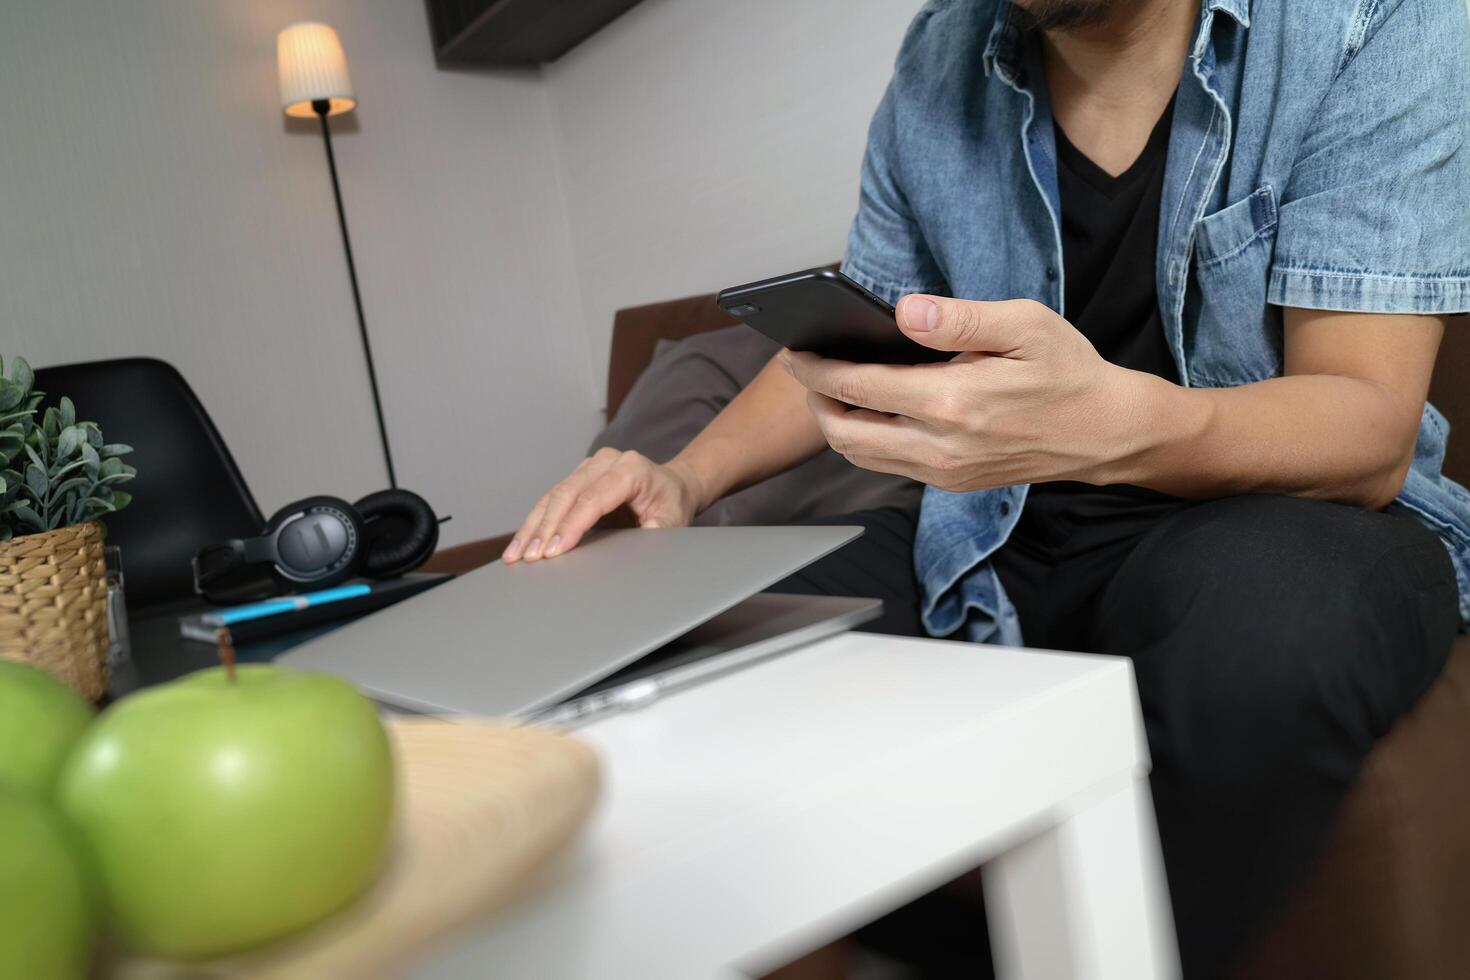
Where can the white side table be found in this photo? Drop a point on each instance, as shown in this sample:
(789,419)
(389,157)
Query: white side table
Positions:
(765,814)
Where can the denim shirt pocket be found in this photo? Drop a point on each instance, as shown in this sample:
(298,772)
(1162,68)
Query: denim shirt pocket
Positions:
(1238,337)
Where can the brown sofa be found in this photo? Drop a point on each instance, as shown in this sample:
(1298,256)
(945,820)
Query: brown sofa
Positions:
(1390,896)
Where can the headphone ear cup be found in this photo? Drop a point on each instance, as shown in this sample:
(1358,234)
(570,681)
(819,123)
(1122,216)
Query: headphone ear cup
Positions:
(352,559)
(401,530)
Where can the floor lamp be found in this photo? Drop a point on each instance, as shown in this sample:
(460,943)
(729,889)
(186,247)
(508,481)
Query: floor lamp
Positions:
(314,82)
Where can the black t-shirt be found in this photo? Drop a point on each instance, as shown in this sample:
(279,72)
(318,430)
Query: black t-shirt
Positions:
(1110,234)
(1110,229)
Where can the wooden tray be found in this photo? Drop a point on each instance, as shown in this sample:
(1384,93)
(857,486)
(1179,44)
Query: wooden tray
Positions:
(481,805)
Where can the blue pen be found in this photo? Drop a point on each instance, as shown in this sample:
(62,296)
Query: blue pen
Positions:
(271,607)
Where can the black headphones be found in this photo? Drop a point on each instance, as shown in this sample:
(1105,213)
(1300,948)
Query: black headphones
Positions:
(318,542)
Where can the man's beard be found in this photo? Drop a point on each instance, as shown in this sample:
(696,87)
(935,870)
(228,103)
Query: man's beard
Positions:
(1065,14)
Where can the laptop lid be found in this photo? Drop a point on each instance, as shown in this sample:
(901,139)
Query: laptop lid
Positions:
(764,626)
(507,640)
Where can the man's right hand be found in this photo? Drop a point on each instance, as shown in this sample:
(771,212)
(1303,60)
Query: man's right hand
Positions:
(665,495)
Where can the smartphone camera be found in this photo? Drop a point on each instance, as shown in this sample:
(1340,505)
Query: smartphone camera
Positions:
(743,310)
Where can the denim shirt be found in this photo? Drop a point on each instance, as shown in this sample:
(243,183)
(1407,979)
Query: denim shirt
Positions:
(1316,160)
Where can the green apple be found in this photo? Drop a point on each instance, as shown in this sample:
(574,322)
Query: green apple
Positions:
(40,719)
(224,813)
(47,916)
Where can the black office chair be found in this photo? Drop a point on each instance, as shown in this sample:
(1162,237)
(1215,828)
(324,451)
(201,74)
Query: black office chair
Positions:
(188,491)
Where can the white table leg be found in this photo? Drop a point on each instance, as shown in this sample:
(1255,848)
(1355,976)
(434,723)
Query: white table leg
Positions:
(1086,898)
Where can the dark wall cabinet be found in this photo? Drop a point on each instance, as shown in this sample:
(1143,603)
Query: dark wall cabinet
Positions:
(515,32)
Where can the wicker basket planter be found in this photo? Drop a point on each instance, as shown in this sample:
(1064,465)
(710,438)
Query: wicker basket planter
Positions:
(53,605)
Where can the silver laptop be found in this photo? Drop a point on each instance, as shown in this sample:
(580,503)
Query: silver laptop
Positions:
(564,639)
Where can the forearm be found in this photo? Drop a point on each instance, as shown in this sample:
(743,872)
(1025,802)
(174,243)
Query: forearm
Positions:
(1324,436)
(765,430)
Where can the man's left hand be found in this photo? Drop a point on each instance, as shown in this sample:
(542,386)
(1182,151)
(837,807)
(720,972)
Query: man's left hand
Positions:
(1027,399)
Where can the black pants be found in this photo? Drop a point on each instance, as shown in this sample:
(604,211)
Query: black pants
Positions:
(1274,640)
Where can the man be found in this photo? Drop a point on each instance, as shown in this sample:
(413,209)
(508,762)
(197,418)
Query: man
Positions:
(1195,261)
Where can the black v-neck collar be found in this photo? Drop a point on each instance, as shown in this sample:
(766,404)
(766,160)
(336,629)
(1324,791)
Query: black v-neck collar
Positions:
(1083,167)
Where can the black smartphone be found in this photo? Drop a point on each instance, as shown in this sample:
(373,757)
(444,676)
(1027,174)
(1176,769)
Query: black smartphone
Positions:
(823,311)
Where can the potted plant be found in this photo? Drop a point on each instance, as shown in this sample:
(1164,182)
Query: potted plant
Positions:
(57,479)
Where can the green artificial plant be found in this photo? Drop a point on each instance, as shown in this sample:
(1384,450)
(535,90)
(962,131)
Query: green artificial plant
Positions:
(57,473)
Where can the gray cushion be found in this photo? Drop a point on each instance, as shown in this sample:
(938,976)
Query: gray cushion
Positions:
(687,385)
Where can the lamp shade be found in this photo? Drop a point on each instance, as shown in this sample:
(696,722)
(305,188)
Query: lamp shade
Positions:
(312,67)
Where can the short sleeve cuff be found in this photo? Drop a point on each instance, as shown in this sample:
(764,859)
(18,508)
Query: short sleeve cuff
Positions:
(1361,292)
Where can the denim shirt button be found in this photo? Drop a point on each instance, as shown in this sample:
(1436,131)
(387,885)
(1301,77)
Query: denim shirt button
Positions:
(1051,274)
(1005,508)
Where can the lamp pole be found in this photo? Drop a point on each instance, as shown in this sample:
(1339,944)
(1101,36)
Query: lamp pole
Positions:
(322,108)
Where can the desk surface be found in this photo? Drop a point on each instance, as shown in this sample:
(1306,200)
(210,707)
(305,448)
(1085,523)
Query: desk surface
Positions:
(749,820)
(159,653)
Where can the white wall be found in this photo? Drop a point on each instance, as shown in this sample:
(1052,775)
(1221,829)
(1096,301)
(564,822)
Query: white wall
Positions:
(705,143)
(153,201)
